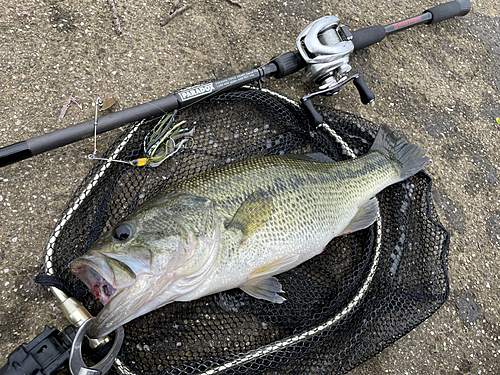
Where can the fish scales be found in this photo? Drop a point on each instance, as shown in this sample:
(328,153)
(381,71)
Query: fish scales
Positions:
(237,226)
(326,193)
(285,174)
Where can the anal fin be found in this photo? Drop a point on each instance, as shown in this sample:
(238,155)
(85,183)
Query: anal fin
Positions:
(266,288)
(366,216)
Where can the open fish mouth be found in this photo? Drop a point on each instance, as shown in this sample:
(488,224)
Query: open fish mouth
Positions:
(99,286)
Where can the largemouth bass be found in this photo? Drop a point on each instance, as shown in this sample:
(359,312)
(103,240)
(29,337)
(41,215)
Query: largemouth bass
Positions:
(237,227)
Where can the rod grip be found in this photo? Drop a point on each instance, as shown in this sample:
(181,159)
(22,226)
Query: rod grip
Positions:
(288,63)
(368,36)
(449,10)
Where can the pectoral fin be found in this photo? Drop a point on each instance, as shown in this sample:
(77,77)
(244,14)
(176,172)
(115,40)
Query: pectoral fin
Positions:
(264,288)
(253,214)
(366,216)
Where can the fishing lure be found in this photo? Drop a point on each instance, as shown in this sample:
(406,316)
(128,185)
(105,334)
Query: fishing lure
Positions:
(164,141)
(160,144)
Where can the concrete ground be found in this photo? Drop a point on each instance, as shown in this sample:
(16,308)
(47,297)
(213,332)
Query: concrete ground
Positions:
(439,85)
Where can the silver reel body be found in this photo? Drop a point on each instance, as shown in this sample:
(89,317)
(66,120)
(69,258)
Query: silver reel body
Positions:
(325,45)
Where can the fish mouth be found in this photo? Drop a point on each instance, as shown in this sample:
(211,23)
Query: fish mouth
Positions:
(97,277)
(111,281)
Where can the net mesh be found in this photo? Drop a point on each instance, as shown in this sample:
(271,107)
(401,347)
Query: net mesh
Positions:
(343,306)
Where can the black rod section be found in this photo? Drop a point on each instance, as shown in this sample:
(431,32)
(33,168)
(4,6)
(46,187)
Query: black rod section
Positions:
(14,153)
(35,146)
(106,123)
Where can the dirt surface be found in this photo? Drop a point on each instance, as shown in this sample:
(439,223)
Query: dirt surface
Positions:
(439,85)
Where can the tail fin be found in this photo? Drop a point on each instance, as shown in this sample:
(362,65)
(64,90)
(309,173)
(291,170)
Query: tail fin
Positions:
(407,157)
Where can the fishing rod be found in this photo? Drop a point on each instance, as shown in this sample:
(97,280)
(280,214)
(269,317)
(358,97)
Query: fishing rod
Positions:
(323,49)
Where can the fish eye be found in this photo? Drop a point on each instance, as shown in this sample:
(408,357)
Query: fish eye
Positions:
(122,232)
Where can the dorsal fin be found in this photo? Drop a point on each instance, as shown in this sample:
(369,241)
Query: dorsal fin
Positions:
(316,157)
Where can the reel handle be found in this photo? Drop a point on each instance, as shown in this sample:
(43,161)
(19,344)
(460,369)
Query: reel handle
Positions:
(366,95)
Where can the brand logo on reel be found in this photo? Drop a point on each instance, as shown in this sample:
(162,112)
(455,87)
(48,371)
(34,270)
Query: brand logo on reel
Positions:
(196,91)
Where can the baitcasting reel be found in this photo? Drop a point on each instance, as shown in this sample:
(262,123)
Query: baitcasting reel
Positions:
(325,46)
